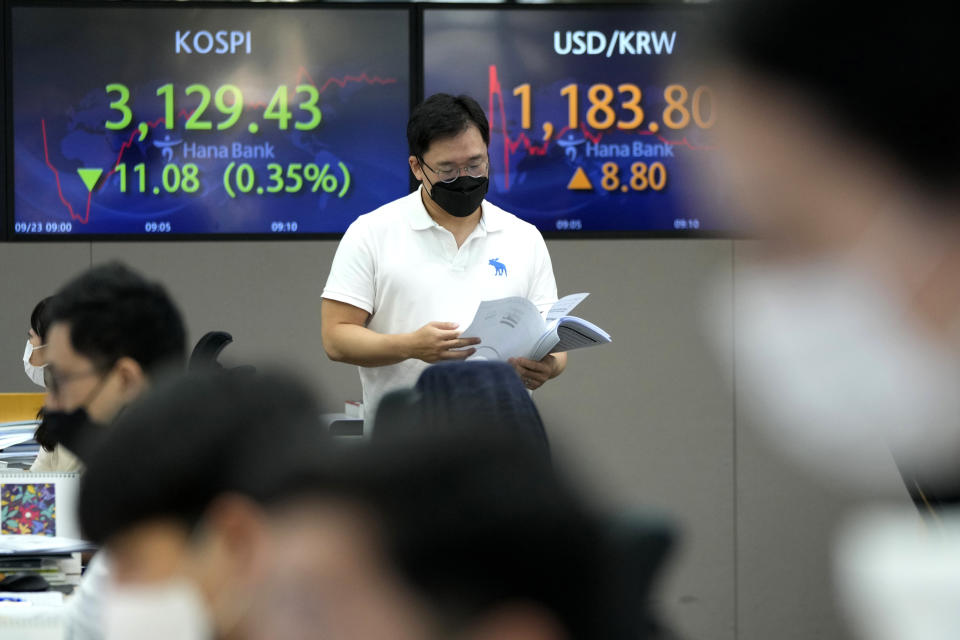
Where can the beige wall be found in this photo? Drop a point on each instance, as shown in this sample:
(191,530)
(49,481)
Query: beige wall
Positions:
(649,421)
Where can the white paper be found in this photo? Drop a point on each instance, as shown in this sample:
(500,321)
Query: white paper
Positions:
(564,306)
(14,439)
(507,328)
(35,598)
(513,327)
(16,544)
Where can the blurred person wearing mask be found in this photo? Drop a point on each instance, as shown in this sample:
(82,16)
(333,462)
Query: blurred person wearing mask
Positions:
(450,536)
(422,539)
(839,156)
(111,334)
(34,361)
(202,459)
(847,307)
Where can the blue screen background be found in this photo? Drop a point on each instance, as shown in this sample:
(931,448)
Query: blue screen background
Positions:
(487,53)
(63,58)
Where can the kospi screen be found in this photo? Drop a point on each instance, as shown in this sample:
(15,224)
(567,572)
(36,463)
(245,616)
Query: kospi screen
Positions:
(184,120)
(3,161)
(598,117)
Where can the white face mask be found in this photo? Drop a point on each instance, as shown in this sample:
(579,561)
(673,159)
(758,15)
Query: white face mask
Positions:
(830,363)
(33,372)
(172,609)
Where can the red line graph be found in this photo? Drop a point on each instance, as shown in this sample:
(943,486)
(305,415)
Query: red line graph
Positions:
(510,146)
(342,82)
(302,74)
(56,175)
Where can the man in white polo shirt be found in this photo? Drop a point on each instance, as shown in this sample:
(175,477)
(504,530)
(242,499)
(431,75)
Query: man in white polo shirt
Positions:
(409,276)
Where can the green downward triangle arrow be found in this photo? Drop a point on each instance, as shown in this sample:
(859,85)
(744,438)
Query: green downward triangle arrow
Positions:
(90,177)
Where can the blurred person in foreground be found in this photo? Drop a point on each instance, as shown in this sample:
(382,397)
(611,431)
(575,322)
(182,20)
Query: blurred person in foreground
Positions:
(112,333)
(439,537)
(839,156)
(200,457)
(256,535)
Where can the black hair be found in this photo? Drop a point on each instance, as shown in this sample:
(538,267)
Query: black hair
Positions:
(40,318)
(472,523)
(463,397)
(882,70)
(193,438)
(42,434)
(114,312)
(444,116)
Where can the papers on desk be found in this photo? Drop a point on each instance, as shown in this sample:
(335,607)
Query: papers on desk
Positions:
(17,445)
(31,598)
(513,327)
(34,545)
(20,424)
(9,440)
(59,570)
(14,433)
(32,616)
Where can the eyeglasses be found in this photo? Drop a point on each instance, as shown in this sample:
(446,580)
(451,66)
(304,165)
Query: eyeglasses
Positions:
(477,170)
(57,381)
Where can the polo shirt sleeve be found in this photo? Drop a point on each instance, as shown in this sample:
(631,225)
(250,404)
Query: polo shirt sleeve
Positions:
(353,272)
(543,285)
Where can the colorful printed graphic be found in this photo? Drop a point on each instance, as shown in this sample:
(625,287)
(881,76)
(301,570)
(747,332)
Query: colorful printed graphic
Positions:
(28,508)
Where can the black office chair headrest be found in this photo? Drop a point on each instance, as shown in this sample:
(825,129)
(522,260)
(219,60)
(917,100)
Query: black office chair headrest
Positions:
(205,354)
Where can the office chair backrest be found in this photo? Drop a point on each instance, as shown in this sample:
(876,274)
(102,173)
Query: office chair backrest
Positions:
(637,548)
(468,397)
(207,350)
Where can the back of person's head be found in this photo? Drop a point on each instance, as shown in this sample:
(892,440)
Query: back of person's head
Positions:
(476,527)
(114,312)
(877,68)
(178,491)
(192,439)
(469,398)
(444,116)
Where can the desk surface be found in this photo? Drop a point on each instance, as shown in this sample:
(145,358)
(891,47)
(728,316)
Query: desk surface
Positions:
(340,424)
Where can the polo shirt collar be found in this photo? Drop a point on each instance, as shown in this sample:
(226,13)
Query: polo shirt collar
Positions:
(491,220)
(417,213)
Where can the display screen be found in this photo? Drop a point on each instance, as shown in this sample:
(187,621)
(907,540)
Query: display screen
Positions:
(3,159)
(172,120)
(598,119)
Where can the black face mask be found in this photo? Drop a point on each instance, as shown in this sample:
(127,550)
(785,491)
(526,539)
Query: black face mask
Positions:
(72,429)
(461,197)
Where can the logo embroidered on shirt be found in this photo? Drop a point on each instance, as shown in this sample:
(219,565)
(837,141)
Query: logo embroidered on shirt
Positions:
(500,269)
